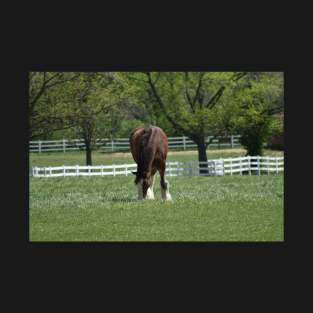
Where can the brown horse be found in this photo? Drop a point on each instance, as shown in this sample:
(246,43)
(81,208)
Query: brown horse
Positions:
(149,146)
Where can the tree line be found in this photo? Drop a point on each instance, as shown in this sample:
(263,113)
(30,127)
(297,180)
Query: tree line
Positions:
(193,104)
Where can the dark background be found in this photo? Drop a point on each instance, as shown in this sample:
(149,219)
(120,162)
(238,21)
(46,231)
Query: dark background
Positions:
(64,40)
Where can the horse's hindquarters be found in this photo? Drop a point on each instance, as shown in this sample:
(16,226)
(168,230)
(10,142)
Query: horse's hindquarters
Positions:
(149,147)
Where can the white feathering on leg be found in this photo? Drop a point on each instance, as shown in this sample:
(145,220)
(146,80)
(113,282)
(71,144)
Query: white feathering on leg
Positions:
(165,193)
(168,196)
(150,194)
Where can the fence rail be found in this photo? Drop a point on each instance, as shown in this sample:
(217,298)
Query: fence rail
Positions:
(122,144)
(218,167)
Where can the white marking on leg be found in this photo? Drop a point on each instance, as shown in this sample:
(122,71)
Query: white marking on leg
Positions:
(150,194)
(168,196)
(150,190)
(153,179)
(165,193)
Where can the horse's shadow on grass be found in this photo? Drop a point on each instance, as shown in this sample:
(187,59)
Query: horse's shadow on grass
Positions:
(129,199)
(122,199)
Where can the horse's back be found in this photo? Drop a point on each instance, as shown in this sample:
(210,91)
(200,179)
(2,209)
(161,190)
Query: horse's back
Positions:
(150,138)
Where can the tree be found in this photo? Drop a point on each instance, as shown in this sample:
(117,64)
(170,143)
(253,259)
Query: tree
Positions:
(79,101)
(141,108)
(44,93)
(89,101)
(259,99)
(192,102)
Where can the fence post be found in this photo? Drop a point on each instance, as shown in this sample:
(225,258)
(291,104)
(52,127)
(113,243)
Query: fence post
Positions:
(89,170)
(219,167)
(63,170)
(190,168)
(39,142)
(101,170)
(249,159)
(258,164)
(276,165)
(232,141)
(184,142)
(113,169)
(126,170)
(77,170)
(64,145)
(112,145)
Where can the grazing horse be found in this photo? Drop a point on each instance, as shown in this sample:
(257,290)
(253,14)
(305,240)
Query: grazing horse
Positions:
(149,148)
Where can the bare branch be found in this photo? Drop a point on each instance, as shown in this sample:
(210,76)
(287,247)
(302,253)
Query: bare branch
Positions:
(212,102)
(198,89)
(63,81)
(156,80)
(187,93)
(46,86)
(237,76)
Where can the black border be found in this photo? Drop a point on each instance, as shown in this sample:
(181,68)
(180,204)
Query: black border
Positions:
(232,37)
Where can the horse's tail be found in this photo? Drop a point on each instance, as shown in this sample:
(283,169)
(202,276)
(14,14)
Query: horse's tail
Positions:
(143,160)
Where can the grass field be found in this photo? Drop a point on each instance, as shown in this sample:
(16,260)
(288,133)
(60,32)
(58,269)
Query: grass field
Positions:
(229,208)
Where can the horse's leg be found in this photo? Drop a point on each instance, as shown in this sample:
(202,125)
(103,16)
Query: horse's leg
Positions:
(150,193)
(165,186)
(140,191)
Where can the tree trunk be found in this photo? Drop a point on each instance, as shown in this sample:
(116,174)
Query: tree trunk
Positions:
(88,153)
(202,156)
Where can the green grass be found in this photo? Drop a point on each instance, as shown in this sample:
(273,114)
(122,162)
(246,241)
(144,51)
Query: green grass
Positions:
(229,208)
(78,157)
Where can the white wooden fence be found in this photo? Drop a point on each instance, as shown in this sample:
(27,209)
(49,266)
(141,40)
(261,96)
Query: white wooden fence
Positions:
(122,144)
(218,167)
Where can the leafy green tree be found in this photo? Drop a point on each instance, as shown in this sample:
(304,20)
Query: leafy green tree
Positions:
(90,100)
(80,102)
(256,129)
(45,115)
(259,99)
(194,103)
